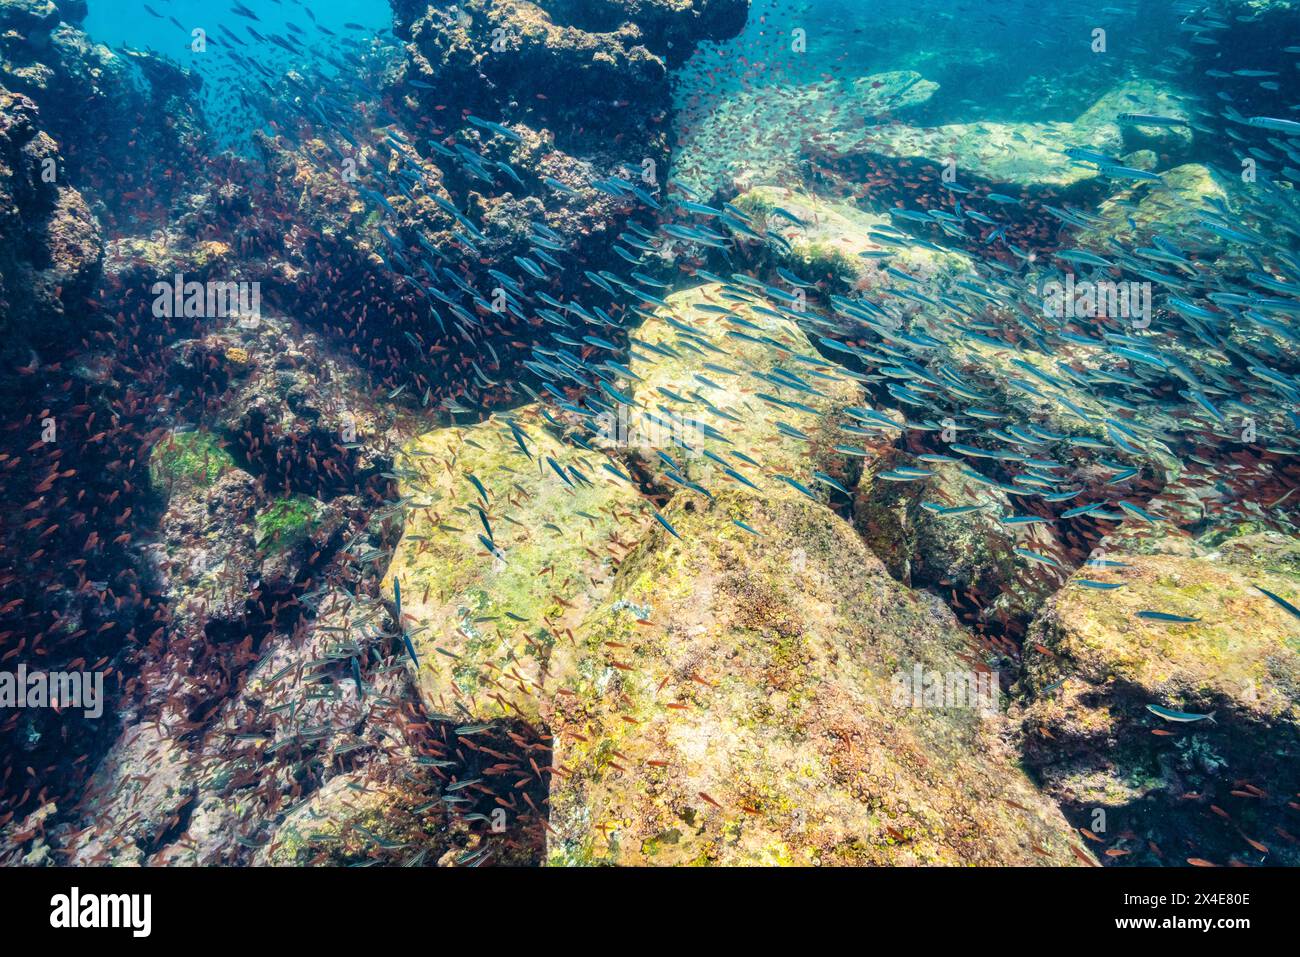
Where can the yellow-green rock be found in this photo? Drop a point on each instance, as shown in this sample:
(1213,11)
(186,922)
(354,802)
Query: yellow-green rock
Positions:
(1032,155)
(834,235)
(483,624)
(730,409)
(739,702)
(1242,657)
(1093,666)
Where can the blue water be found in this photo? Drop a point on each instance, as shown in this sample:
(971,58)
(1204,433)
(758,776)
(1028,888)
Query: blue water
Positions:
(129,23)
(133,24)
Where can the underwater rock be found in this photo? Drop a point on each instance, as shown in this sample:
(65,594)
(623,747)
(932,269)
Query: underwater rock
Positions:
(833,236)
(1168,143)
(740,700)
(136,795)
(226,548)
(300,700)
(50,244)
(223,536)
(309,177)
(207,554)
(724,377)
(349,818)
(84,89)
(483,623)
(297,408)
(470,603)
(758,135)
(26,841)
(490,52)
(1017,156)
(1001,368)
(562,49)
(1136,215)
(669,28)
(1030,157)
(1093,666)
(289,530)
(593,78)
(972,554)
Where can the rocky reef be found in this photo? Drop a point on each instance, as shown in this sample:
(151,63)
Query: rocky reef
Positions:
(722,683)
(50,243)
(84,90)
(689,547)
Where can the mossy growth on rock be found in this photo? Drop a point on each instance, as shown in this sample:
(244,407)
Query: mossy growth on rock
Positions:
(192,459)
(286,522)
(483,622)
(823,261)
(736,381)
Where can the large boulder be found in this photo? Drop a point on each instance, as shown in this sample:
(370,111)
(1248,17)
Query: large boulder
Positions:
(1031,157)
(747,700)
(715,370)
(833,238)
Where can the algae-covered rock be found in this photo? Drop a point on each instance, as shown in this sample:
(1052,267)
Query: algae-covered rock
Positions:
(1094,665)
(1132,99)
(714,374)
(491,579)
(1240,656)
(745,700)
(838,233)
(1136,215)
(1023,156)
(188,462)
(1032,156)
(286,522)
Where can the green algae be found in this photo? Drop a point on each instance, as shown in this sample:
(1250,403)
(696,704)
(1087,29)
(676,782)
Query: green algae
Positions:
(188,458)
(286,522)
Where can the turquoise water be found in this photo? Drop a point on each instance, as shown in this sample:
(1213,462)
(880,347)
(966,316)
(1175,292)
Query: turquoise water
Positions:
(129,22)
